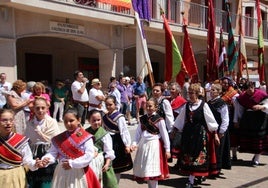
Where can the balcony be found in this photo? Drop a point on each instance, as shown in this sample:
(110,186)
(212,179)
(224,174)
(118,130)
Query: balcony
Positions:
(196,14)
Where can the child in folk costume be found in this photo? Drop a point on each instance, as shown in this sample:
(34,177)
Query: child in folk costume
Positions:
(115,124)
(14,153)
(74,150)
(103,142)
(40,130)
(153,147)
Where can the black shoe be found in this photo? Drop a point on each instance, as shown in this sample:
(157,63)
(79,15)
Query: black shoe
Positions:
(189,185)
(170,160)
(199,180)
(234,158)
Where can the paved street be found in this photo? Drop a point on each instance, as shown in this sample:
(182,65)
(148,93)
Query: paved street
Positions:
(242,174)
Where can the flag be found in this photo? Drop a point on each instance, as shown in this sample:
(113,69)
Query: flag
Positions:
(212,56)
(242,58)
(222,66)
(260,43)
(232,51)
(173,56)
(143,62)
(142,7)
(188,56)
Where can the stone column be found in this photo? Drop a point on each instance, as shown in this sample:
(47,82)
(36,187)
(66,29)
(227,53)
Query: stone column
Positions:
(8,58)
(110,64)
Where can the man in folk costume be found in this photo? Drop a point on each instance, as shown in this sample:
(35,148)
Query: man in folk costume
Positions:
(251,108)
(177,102)
(229,94)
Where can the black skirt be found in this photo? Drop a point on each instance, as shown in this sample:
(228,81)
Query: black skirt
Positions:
(123,161)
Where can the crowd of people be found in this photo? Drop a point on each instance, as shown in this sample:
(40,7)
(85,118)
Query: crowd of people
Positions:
(203,128)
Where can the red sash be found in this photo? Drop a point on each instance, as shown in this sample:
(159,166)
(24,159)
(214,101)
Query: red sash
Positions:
(9,153)
(68,145)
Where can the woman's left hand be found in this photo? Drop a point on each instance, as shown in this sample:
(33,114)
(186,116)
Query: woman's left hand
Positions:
(127,149)
(258,107)
(65,165)
(217,140)
(105,168)
(168,155)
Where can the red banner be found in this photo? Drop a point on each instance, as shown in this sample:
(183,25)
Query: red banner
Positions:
(120,3)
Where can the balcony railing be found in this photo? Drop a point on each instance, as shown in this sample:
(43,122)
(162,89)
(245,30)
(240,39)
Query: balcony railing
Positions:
(195,14)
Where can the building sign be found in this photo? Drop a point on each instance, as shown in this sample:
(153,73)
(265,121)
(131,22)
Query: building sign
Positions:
(62,27)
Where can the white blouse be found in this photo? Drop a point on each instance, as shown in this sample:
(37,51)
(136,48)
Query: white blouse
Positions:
(108,147)
(169,118)
(80,162)
(224,117)
(163,134)
(209,117)
(124,133)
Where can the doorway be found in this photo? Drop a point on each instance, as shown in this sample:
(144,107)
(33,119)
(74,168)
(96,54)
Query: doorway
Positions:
(38,67)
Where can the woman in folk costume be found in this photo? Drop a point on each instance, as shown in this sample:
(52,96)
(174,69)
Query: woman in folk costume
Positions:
(251,108)
(220,111)
(115,124)
(150,163)
(74,150)
(40,130)
(102,163)
(198,127)
(15,153)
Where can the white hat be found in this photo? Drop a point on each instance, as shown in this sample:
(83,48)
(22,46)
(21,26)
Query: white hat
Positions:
(127,78)
(30,84)
(95,81)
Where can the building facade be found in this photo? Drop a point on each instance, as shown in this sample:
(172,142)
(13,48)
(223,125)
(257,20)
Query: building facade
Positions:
(50,39)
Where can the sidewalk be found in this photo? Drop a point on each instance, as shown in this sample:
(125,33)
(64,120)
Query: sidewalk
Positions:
(242,174)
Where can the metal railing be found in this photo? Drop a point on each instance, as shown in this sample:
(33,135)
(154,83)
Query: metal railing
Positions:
(195,14)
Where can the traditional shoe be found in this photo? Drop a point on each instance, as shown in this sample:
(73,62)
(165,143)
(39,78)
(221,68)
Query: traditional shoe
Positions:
(199,180)
(234,158)
(255,163)
(170,160)
(189,185)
